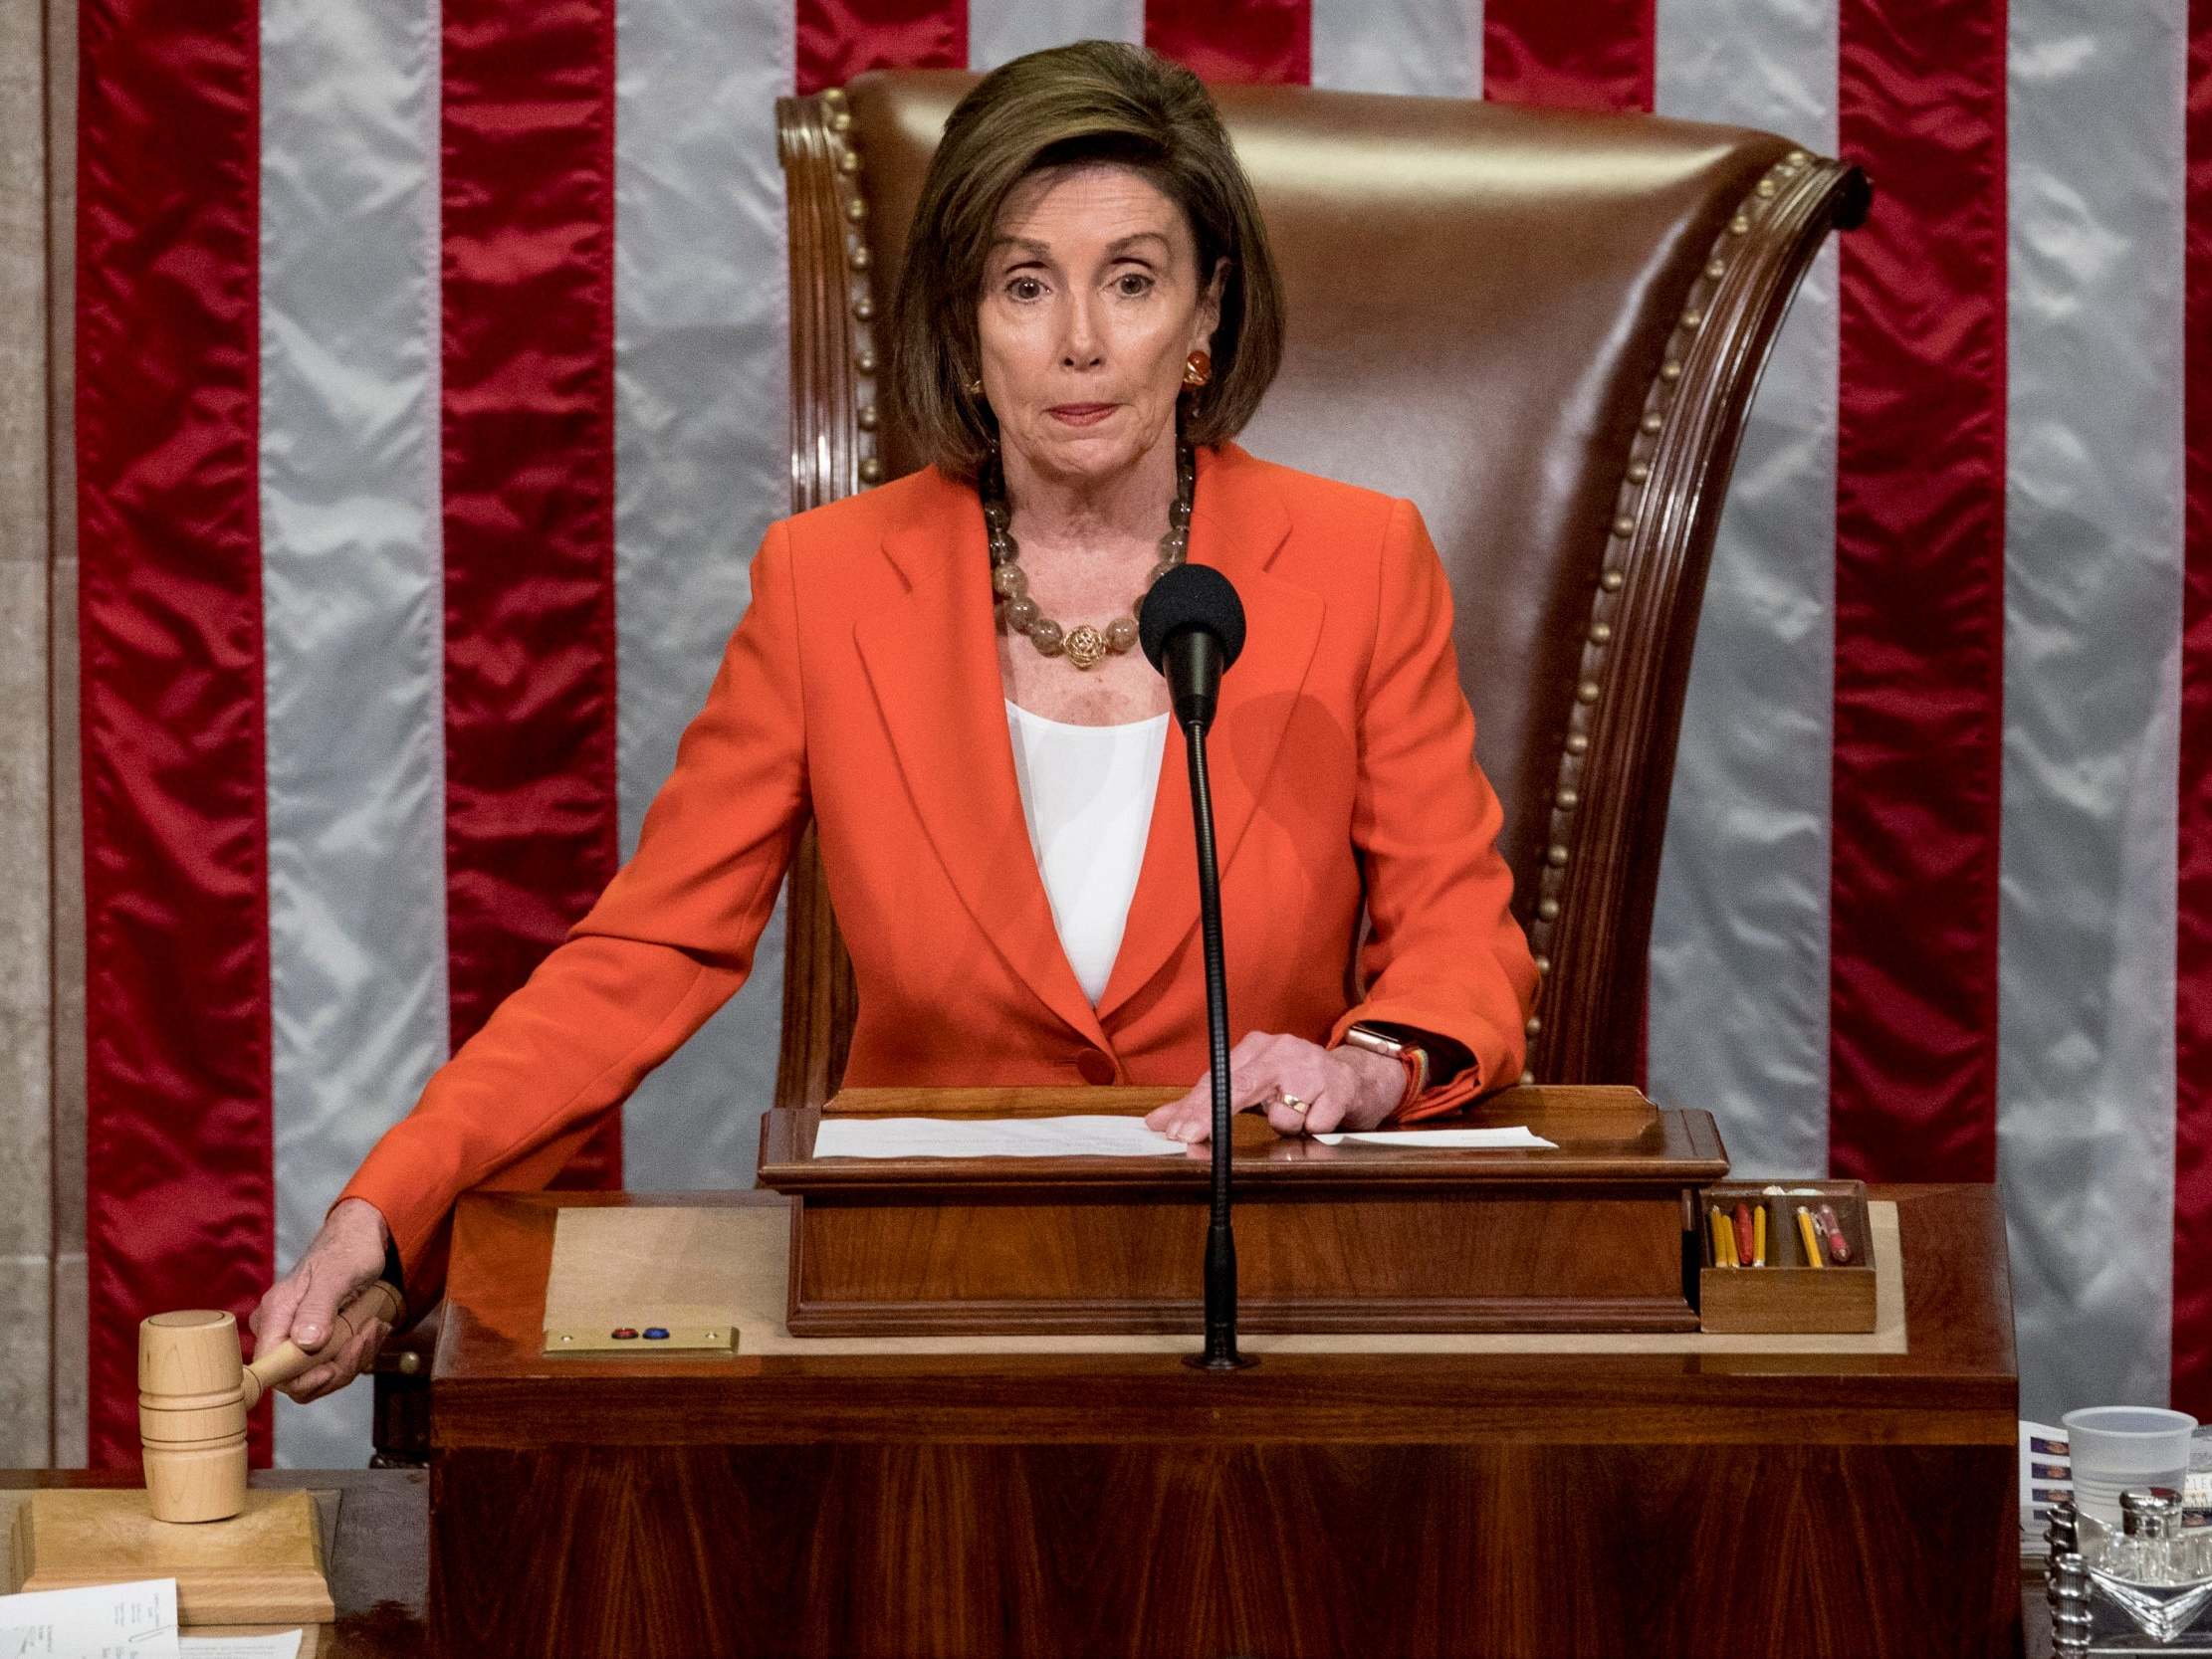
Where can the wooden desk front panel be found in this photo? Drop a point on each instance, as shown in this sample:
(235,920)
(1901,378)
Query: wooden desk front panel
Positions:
(913,1549)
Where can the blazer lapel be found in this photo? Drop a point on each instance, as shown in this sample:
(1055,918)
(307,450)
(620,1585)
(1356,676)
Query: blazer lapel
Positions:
(1236,525)
(932,661)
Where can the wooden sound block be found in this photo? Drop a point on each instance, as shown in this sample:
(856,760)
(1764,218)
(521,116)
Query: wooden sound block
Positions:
(263,1566)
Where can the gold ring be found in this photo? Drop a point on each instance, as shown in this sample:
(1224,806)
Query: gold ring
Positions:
(1294,1102)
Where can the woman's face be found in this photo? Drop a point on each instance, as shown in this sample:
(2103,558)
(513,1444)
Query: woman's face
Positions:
(1091,303)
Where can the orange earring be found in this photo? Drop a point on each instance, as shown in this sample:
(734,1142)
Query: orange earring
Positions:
(1197,370)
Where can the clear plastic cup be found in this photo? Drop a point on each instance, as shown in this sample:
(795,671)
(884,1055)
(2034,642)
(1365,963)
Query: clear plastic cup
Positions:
(2115,1447)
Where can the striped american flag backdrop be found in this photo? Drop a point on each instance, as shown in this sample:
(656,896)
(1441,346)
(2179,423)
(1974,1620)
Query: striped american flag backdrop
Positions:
(432,392)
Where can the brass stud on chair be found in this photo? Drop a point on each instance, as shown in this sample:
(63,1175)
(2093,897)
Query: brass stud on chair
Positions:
(1716,269)
(1795,158)
(1766,187)
(1534,1025)
(841,121)
(863,308)
(1654,421)
(1577,742)
(865,360)
(1611,580)
(1671,370)
(1543,965)
(1526,1079)
(857,210)
(849,161)
(1624,526)
(1587,692)
(833,95)
(1638,471)
(871,470)
(1600,632)
(858,258)
(1739,224)
(1569,800)
(1548,909)
(1556,856)
(866,417)
(1692,318)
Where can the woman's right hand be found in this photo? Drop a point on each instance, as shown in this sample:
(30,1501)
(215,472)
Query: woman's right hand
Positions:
(345,1257)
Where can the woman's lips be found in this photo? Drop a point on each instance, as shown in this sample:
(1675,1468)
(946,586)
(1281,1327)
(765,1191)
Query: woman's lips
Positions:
(1081,414)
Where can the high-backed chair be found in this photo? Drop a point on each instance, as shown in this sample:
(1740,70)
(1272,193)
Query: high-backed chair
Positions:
(1542,326)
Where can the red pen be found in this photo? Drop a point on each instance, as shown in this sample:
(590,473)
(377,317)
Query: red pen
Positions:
(1743,1232)
(1839,1247)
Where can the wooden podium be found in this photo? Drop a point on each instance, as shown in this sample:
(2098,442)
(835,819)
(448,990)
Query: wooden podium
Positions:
(1407,1491)
(1351,1237)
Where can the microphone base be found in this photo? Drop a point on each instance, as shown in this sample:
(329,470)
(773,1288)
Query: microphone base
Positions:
(1232,1362)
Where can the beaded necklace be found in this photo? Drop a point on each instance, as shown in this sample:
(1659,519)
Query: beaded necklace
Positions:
(1084,645)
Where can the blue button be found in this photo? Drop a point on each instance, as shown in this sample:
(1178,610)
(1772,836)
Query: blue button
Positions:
(656,1333)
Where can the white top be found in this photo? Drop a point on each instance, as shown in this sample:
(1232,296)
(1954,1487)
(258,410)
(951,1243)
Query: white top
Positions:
(1086,791)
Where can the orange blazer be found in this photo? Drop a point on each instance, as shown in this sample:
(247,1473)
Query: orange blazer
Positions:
(862,689)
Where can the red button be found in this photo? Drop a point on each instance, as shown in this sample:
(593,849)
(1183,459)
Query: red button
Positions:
(1095,1066)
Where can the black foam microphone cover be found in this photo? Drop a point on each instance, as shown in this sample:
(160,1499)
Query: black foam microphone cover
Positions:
(1191,596)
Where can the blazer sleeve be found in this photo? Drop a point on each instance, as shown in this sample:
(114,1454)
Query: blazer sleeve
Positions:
(666,944)
(1443,951)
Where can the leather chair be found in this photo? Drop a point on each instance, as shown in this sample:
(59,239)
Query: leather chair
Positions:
(1543,326)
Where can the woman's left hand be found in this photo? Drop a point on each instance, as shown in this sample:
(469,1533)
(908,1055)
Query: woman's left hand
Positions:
(1339,1088)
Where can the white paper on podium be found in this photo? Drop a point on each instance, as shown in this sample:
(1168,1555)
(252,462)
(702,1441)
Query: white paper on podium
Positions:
(1516,1137)
(1086,1136)
(98,1621)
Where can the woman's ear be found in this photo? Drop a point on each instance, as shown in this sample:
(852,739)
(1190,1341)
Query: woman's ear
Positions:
(1209,304)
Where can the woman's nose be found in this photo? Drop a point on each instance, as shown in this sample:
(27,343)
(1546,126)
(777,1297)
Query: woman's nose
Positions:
(1080,347)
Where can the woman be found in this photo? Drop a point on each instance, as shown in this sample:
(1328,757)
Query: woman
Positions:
(938,674)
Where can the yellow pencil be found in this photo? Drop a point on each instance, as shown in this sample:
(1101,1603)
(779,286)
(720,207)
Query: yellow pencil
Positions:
(1759,1236)
(1812,1243)
(1724,1239)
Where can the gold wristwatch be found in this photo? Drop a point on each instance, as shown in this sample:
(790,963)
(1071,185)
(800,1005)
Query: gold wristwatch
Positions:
(1412,1056)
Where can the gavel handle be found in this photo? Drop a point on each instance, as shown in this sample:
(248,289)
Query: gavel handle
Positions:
(289,1359)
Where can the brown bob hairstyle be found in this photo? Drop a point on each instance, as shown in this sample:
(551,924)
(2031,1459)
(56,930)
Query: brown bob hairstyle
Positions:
(1092,102)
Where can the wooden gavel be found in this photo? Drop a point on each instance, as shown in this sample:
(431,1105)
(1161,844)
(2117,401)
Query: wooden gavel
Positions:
(194,1394)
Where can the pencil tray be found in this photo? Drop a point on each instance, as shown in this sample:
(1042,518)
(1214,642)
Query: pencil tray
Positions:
(1788,1295)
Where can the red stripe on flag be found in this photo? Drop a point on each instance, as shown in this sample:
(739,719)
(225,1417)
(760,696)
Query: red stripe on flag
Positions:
(1580,54)
(1920,595)
(837,38)
(528,160)
(179,1211)
(1261,40)
(2192,1149)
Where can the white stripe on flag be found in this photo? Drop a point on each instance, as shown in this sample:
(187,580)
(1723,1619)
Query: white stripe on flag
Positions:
(351,599)
(701,464)
(999,29)
(2093,637)
(1740,939)
(1399,46)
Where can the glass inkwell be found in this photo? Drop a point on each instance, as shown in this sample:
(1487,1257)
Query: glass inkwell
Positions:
(2152,1570)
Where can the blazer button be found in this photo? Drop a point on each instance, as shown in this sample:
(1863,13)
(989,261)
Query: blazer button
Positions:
(1095,1066)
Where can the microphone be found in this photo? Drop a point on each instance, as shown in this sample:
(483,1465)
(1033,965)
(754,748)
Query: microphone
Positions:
(1192,626)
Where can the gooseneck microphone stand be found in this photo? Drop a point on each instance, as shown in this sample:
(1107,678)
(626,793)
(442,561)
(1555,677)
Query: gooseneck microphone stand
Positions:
(1220,1353)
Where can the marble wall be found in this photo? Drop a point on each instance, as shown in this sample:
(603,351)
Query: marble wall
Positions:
(41,977)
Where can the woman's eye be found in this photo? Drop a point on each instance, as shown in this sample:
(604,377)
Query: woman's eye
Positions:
(1133,282)
(1024,288)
